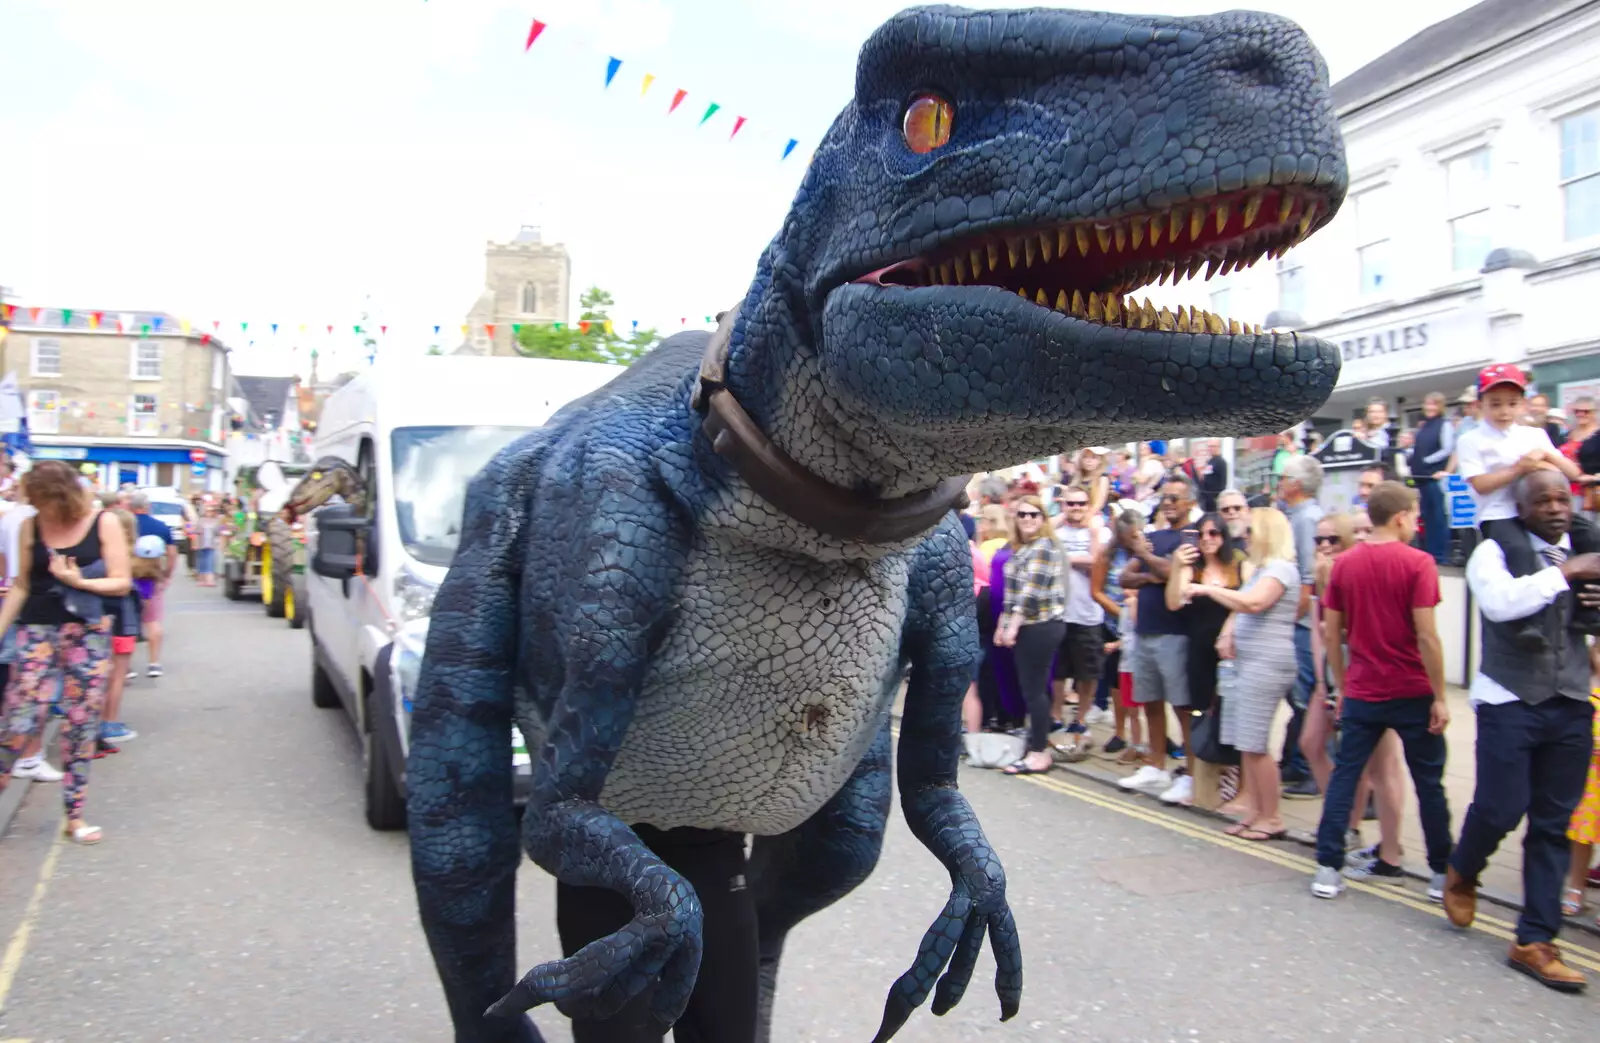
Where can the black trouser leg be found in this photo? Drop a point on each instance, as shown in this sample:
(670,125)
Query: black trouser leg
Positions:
(1035,649)
(1558,771)
(723,1006)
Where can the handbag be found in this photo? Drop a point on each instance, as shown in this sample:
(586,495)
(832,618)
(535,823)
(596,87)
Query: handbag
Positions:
(1206,735)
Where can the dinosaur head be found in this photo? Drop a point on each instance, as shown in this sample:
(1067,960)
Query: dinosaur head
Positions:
(329,477)
(970,241)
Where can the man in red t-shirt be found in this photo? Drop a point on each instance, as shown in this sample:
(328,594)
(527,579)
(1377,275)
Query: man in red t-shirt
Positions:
(1380,601)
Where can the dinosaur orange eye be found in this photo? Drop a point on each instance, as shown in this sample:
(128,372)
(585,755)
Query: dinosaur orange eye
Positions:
(927,123)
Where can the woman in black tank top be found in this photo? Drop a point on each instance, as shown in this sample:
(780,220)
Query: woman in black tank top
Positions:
(73,557)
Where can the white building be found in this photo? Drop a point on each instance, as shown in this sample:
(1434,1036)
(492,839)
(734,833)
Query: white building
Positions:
(1471,232)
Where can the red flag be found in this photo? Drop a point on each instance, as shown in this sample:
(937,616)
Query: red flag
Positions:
(330,329)
(384,330)
(677,99)
(205,338)
(216,325)
(583,327)
(736,125)
(490,327)
(533,33)
(36,312)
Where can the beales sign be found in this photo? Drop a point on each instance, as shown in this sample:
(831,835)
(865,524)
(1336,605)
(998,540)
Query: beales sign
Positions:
(1384,342)
(1424,344)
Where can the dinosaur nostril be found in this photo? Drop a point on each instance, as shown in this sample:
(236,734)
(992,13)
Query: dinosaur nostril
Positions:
(1249,66)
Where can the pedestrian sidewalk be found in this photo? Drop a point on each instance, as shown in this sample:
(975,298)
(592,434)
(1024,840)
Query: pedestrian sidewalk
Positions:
(1501,881)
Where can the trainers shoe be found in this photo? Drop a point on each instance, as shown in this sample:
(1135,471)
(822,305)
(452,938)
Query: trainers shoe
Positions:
(1180,792)
(1302,790)
(116,731)
(1148,779)
(1115,744)
(154,670)
(1436,887)
(39,770)
(1098,716)
(1327,883)
(1377,869)
(1360,857)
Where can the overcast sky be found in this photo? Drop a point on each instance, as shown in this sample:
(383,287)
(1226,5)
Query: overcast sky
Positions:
(285,162)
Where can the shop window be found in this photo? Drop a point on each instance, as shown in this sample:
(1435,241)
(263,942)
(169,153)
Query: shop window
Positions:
(142,416)
(1291,287)
(146,364)
(1580,173)
(44,412)
(530,299)
(1467,200)
(46,357)
(1373,253)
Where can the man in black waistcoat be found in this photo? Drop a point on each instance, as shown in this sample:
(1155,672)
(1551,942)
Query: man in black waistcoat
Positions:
(1535,732)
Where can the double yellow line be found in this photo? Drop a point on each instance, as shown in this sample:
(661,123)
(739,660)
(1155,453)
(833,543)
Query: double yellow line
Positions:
(1578,955)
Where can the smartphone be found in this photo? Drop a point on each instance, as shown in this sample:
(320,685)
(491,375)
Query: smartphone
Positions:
(1191,537)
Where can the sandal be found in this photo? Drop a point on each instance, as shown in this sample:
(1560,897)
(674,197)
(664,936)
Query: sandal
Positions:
(1021,768)
(1572,901)
(1074,751)
(82,835)
(1237,828)
(1260,835)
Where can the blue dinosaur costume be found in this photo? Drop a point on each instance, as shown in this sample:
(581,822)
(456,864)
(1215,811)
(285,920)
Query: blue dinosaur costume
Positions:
(698,589)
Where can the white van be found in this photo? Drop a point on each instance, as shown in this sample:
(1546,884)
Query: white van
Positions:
(416,431)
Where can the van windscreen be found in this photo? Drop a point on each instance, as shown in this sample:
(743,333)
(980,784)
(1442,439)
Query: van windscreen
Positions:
(432,466)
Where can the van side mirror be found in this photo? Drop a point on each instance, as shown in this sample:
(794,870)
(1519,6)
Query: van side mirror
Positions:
(338,531)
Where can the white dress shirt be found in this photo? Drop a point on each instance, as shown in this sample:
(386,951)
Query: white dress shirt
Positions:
(1487,448)
(1502,597)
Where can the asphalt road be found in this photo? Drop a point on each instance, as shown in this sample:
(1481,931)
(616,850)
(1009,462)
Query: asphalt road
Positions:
(239,896)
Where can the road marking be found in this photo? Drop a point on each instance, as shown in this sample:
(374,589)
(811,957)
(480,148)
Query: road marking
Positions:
(1581,955)
(19,938)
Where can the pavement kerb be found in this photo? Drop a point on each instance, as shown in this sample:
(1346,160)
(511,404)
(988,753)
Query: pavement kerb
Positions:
(1305,839)
(15,793)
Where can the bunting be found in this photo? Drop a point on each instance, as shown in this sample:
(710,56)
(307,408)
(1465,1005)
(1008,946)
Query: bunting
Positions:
(614,64)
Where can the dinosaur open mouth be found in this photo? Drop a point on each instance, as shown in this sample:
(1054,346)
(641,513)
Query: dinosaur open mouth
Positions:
(1086,269)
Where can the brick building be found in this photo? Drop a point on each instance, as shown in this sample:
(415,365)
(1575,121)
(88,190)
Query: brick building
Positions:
(526,281)
(139,394)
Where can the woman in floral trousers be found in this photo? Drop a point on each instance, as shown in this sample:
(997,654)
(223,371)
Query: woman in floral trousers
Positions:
(71,558)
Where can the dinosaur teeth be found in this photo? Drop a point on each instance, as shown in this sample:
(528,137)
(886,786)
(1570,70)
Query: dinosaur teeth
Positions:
(1063,242)
(1155,231)
(1285,207)
(1222,217)
(1077,303)
(961,270)
(1061,300)
(1165,319)
(1012,252)
(1081,234)
(1138,232)
(1028,252)
(1197,222)
(977,264)
(1097,311)
(1120,232)
(1042,298)
(994,256)
(1252,207)
(1046,247)
(1102,234)
(1174,226)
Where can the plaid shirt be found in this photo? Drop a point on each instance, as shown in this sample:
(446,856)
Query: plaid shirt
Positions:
(1033,582)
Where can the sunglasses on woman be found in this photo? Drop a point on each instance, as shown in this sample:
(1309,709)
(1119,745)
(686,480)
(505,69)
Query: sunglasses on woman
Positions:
(1028,514)
(1327,541)
(1210,534)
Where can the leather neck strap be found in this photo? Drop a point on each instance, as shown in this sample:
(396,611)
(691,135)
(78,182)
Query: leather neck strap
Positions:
(778,479)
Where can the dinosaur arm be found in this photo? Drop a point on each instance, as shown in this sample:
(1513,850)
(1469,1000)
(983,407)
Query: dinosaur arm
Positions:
(632,555)
(941,643)
(458,773)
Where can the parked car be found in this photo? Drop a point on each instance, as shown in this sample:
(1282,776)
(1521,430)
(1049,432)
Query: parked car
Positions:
(415,432)
(169,506)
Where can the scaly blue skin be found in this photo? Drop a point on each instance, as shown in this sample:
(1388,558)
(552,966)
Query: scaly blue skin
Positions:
(614,533)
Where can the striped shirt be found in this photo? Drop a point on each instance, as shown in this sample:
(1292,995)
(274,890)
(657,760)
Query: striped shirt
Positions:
(1034,590)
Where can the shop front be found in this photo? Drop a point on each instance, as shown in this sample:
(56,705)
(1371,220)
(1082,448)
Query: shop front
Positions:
(180,464)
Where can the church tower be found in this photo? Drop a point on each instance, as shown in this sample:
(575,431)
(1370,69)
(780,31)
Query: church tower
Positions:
(526,281)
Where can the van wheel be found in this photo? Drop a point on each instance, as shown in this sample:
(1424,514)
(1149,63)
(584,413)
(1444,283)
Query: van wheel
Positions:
(323,695)
(385,809)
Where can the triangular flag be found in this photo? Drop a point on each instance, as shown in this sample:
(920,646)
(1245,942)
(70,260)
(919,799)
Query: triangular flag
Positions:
(183,324)
(490,327)
(436,331)
(94,319)
(612,65)
(558,325)
(683,322)
(677,99)
(465,329)
(66,316)
(243,326)
(36,312)
(516,328)
(205,338)
(635,323)
(649,78)
(302,328)
(737,123)
(146,327)
(158,321)
(330,329)
(216,325)
(608,326)
(358,329)
(274,328)
(583,327)
(533,33)
(710,111)
(383,330)
(788,149)
(6,311)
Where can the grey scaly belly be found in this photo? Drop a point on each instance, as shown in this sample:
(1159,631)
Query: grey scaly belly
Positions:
(765,693)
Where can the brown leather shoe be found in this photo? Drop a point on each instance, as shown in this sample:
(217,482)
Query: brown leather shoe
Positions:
(1542,962)
(1460,899)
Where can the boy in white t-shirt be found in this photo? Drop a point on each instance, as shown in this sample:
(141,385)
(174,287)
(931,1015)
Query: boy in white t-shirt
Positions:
(1500,450)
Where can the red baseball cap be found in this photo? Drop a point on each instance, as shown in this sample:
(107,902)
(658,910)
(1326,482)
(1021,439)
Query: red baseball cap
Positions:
(1501,373)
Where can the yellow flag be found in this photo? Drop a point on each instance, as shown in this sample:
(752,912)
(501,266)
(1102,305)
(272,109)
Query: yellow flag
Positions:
(608,325)
(648,80)
(183,324)
(465,329)
(4,332)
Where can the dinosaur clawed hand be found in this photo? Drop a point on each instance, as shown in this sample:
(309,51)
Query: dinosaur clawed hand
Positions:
(660,946)
(977,906)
